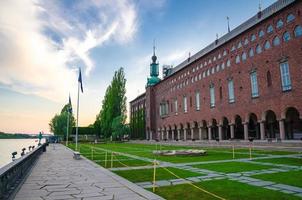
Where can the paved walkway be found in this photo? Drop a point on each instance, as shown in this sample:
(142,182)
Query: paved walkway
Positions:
(57,176)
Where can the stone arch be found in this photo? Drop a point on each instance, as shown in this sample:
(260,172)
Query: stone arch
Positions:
(253,126)
(226,132)
(293,124)
(271,124)
(238,128)
(214,129)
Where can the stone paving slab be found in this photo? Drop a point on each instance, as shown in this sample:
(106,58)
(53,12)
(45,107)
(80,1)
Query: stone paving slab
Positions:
(57,176)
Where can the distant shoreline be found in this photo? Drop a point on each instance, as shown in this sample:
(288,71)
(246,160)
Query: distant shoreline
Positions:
(16,136)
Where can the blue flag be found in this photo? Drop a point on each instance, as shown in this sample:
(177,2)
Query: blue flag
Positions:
(80,80)
(70,106)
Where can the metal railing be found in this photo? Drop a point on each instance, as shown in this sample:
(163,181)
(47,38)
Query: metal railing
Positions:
(11,175)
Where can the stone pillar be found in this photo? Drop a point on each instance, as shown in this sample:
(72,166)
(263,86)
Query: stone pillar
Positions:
(282,130)
(220,132)
(210,133)
(246,131)
(199,133)
(185,134)
(178,134)
(262,131)
(167,134)
(150,134)
(192,133)
(232,131)
(162,135)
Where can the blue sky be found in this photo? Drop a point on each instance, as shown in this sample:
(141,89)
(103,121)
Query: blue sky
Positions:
(44,42)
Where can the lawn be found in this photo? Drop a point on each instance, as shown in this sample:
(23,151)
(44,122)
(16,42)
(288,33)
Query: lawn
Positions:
(142,175)
(286,161)
(293,178)
(226,189)
(232,167)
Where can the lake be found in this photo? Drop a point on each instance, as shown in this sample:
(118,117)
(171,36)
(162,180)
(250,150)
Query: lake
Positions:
(7,146)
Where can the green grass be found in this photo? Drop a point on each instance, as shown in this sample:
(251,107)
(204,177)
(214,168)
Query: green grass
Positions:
(224,188)
(286,161)
(293,178)
(232,167)
(142,175)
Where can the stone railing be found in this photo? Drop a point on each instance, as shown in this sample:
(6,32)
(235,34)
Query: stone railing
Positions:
(11,175)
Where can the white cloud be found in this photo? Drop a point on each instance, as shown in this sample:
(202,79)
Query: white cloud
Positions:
(32,62)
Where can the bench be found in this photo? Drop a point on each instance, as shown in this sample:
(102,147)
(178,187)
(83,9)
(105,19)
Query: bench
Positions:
(76,155)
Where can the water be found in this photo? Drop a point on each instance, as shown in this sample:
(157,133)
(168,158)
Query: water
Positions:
(7,146)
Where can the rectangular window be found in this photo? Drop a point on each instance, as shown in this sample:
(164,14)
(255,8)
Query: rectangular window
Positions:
(285,77)
(185,104)
(176,106)
(197,100)
(231,91)
(212,96)
(254,84)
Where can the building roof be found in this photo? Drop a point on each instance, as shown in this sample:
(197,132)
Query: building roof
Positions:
(266,13)
(138,97)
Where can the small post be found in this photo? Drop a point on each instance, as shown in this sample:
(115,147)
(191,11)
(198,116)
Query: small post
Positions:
(106,159)
(154,174)
(233,151)
(111,159)
(250,151)
(92,153)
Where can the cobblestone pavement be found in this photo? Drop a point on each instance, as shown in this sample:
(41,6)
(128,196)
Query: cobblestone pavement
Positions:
(57,176)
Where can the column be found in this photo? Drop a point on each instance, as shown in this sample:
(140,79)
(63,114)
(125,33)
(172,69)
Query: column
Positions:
(282,130)
(159,135)
(178,134)
(199,134)
(192,133)
(232,131)
(162,134)
(185,134)
(209,133)
(246,131)
(220,132)
(167,134)
(150,132)
(262,131)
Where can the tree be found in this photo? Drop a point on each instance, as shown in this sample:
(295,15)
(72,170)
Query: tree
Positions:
(58,124)
(113,105)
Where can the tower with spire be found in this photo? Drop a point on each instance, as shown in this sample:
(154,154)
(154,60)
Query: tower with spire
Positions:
(154,70)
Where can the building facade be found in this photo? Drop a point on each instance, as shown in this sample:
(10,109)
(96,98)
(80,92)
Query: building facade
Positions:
(246,84)
(137,117)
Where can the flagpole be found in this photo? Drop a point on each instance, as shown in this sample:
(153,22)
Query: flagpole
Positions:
(77,116)
(67,127)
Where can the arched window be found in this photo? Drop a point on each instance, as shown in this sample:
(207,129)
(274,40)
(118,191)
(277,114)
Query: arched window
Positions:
(258,49)
(290,18)
(243,56)
(213,70)
(269,79)
(267,45)
(261,33)
(228,63)
(276,41)
(279,23)
(217,68)
(219,56)
(239,45)
(237,59)
(233,48)
(251,52)
(210,61)
(222,66)
(253,37)
(224,53)
(298,31)
(270,29)
(246,41)
(205,63)
(286,36)
(214,59)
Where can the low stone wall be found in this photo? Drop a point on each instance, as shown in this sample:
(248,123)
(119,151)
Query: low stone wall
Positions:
(12,174)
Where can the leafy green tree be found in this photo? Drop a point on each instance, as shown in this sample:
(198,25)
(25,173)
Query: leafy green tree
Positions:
(114,104)
(58,124)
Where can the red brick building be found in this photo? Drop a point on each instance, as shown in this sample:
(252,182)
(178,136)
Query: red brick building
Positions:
(246,84)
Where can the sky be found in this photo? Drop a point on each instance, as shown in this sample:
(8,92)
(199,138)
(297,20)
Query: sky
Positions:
(44,43)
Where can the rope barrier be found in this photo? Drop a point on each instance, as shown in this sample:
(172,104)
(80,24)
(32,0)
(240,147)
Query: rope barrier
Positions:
(199,188)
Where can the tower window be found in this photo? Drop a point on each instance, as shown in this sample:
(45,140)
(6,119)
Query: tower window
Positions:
(298,31)
(286,36)
(279,23)
(290,18)
(276,41)
(269,79)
